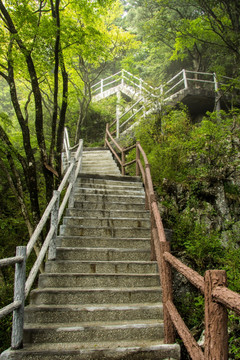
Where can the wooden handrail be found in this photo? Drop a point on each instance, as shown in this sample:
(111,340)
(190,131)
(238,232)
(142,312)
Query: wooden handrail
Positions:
(227,297)
(190,343)
(217,296)
(196,279)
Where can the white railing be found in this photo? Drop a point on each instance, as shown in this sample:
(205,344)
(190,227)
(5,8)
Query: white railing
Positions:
(54,211)
(152,97)
(123,79)
(185,79)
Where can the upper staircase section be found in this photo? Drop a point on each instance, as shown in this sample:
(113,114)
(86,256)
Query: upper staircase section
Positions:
(200,91)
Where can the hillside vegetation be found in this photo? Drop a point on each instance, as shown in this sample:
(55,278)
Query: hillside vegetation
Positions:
(52,52)
(195,170)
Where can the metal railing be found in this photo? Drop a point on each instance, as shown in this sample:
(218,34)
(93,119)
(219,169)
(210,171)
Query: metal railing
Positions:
(185,79)
(218,298)
(151,98)
(53,212)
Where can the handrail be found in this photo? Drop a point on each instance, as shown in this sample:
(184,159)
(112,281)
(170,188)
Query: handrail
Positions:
(17,306)
(218,298)
(146,94)
(23,286)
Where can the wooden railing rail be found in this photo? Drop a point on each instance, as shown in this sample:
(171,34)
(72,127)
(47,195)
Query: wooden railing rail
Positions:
(110,142)
(218,298)
(53,212)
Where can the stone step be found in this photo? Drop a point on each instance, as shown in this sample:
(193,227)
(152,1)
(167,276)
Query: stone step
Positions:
(97,154)
(105,231)
(102,267)
(104,186)
(100,172)
(114,205)
(110,222)
(100,165)
(102,254)
(125,350)
(62,280)
(122,192)
(108,213)
(97,163)
(105,158)
(108,180)
(137,199)
(88,313)
(93,242)
(99,331)
(77,296)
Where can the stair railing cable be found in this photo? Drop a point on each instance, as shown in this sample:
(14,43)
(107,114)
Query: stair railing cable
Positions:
(218,297)
(54,212)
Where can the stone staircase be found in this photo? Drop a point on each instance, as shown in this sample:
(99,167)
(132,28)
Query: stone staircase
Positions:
(101,297)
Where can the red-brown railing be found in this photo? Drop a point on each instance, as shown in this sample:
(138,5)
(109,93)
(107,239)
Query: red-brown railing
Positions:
(218,298)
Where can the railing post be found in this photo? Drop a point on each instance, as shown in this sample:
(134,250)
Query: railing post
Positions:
(118,113)
(122,82)
(137,159)
(101,86)
(166,282)
(106,135)
(19,295)
(140,87)
(71,181)
(123,162)
(185,79)
(147,197)
(153,233)
(216,332)
(217,94)
(161,90)
(54,222)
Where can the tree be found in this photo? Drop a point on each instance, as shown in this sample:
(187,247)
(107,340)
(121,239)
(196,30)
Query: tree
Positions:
(36,38)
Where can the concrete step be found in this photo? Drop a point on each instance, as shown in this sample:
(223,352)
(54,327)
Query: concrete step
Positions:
(105,231)
(108,180)
(125,350)
(62,280)
(100,172)
(99,331)
(136,199)
(122,192)
(108,213)
(105,186)
(100,165)
(103,222)
(105,163)
(113,205)
(77,296)
(101,267)
(83,313)
(102,254)
(93,242)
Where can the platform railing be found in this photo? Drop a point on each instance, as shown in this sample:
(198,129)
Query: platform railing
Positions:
(52,213)
(149,99)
